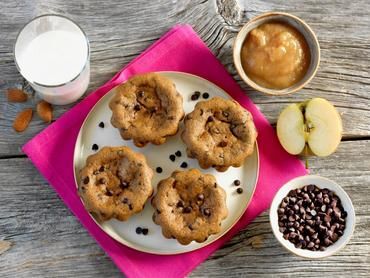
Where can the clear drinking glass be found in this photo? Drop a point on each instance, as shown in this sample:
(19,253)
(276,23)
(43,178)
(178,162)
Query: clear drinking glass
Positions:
(53,54)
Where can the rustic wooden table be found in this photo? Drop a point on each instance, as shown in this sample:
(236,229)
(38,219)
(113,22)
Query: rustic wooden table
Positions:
(39,236)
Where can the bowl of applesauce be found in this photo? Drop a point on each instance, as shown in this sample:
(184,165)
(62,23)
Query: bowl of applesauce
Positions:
(276,53)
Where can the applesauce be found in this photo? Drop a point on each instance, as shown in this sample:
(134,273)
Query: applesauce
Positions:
(275,55)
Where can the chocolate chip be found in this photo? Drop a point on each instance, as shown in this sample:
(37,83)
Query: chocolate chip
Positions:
(101,169)
(139,230)
(86,180)
(95,147)
(200,197)
(101,124)
(207,212)
(323,208)
(154,109)
(108,193)
(159,170)
(130,207)
(178,153)
(222,144)
(190,227)
(141,94)
(124,185)
(205,95)
(145,231)
(195,96)
(180,204)
(184,165)
(313,212)
(209,119)
(237,182)
(172,157)
(187,210)
(102,181)
(239,190)
(137,107)
(125,200)
(327,218)
(310,187)
(225,114)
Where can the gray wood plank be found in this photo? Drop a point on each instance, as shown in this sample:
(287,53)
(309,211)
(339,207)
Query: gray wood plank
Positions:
(119,34)
(47,240)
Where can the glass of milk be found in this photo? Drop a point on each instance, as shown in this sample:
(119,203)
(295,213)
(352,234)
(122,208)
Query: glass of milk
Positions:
(53,54)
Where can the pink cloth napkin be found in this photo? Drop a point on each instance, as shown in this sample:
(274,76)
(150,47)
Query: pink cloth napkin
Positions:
(178,50)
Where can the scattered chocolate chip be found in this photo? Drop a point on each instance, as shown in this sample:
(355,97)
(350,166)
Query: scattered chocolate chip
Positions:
(172,157)
(137,107)
(178,153)
(190,227)
(101,169)
(209,119)
(195,95)
(180,204)
(130,207)
(225,114)
(187,210)
(108,193)
(95,147)
(102,181)
(205,95)
(86,180)
(139,230)
(236,182)
(145,231)
(184,165)
(101,124)
(159,170)
(141,94)
(125,200)
(239,190)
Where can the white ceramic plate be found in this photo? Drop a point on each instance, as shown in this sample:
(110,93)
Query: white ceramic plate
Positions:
(154,242)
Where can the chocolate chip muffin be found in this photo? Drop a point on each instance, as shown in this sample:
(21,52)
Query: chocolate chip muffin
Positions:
(146,108)
(189,206)
(219,133)
(115,183)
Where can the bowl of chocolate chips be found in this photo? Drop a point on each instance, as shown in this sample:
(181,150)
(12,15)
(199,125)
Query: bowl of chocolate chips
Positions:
(312,216)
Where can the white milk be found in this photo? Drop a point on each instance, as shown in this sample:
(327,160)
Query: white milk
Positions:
(54,58)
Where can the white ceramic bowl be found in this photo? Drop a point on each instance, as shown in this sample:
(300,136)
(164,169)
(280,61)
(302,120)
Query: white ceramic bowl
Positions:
(321,183)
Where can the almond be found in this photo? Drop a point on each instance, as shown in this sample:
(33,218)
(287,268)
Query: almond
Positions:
(45,111)
(17,95)
(22,120)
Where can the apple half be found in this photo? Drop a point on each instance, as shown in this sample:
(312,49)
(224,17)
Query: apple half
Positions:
(313,126)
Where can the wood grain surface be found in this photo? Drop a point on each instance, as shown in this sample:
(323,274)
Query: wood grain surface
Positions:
(39,236)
